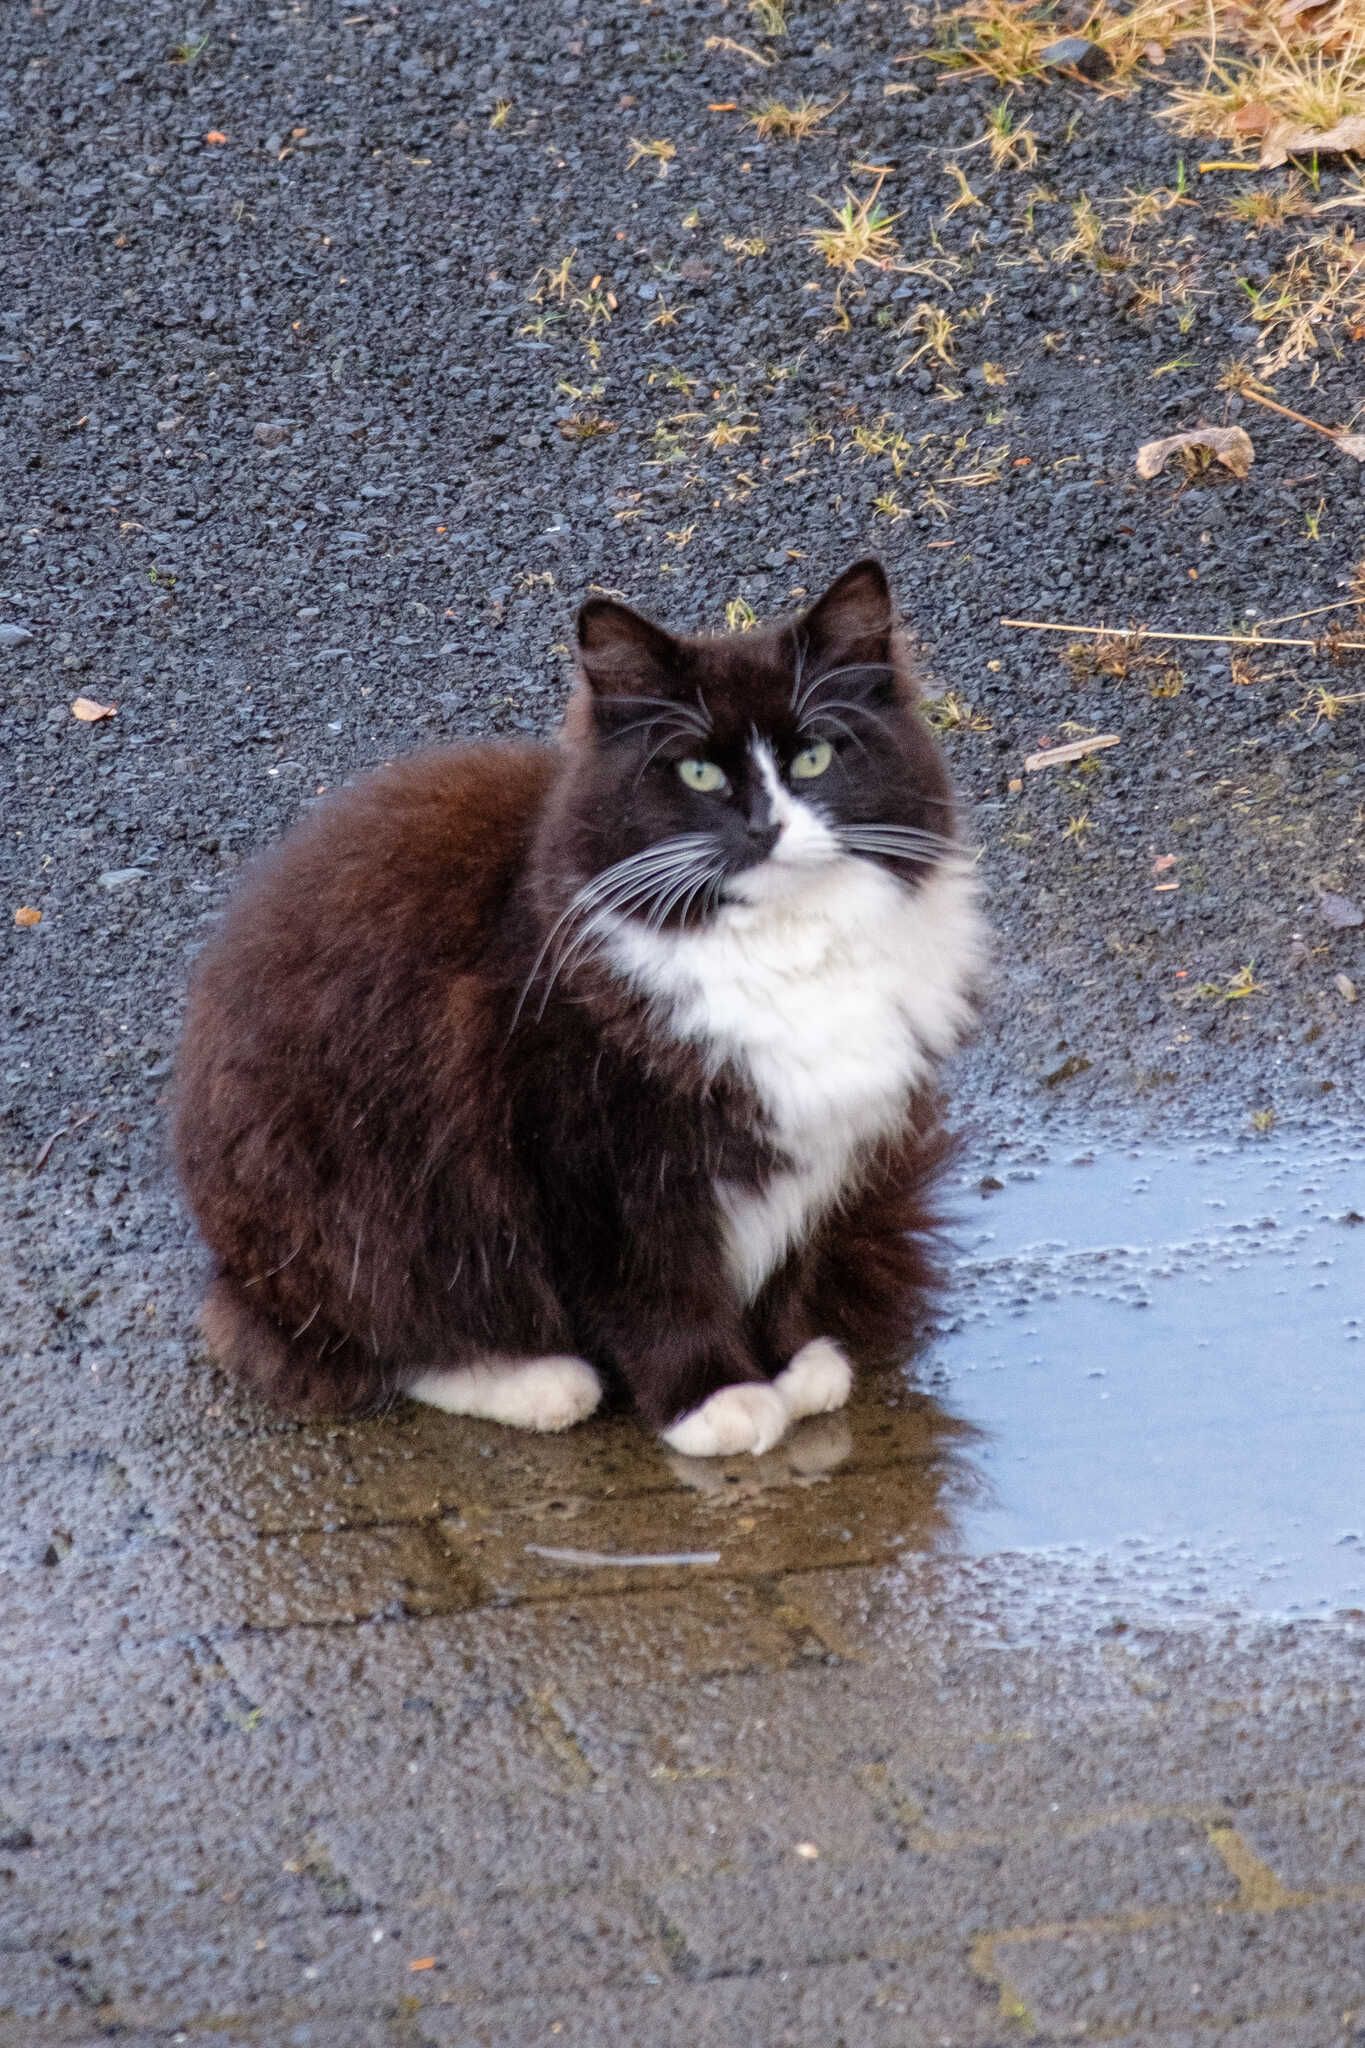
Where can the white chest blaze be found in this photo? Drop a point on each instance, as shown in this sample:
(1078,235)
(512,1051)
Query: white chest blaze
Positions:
(835,992)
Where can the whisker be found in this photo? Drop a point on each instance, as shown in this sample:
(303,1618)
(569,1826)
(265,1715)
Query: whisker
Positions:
(620,888)
(673,707)
(680,726)
(899,836)
(832,675)
(823,717)
(705,881)
(854,711)
(634,900)
(598,887)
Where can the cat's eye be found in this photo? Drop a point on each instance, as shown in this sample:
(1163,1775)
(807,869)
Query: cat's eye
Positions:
(813,760)
(703,776)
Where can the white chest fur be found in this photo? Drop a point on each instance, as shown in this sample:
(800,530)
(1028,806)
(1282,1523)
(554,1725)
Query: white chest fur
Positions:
(836,999)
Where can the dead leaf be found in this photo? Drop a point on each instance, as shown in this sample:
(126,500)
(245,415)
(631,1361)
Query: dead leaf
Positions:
(1164,861)
(423,1963)
(90,711)
(1351,444)
(28,917)
(1287,139)
(1314,14)
(215,135)
(1229,445)
(1346,988)
(1254,119)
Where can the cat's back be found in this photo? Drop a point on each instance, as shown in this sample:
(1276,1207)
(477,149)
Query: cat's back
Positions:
(409,872)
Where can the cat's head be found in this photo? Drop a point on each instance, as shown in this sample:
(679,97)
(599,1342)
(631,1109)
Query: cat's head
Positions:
(713,769)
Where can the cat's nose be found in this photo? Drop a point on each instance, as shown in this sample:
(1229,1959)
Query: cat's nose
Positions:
(763,835)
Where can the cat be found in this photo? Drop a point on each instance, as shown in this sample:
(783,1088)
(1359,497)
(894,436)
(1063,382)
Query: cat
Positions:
(519,1073)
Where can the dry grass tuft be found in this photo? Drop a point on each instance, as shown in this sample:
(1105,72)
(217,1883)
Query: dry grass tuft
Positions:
(1262,206)
(1301,306)
(1309,83)
(861,232)
(783,121)
(1007,39)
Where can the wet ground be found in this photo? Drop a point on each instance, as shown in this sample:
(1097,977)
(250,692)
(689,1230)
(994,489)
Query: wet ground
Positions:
(1023,1701)
(1027,1700)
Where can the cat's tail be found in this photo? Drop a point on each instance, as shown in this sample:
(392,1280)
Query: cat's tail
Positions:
(313,1376)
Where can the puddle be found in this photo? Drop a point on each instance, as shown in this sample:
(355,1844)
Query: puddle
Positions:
(1147,1380)
(1160,1354)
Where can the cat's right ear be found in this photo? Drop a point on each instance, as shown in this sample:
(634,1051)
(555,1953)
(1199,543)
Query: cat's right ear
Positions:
(622,654)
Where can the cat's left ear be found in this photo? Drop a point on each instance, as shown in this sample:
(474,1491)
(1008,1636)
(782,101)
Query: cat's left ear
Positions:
(621,653)
(852,625)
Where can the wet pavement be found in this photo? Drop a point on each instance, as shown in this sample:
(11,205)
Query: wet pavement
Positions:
(1024,1701)
(342,352)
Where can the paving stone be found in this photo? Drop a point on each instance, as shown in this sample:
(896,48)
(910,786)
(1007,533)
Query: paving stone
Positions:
(50,1507)
(587,1647)
(1310,1843)
(1308,1959)
(297,1480)
(189,1963)
(866,2005)
(65,1892)
(101,1690)
(850,1518)
(750,1722)
(1286,2030)
(922,1619)
(1151,1758)
(815,1912)
(445,1840)
(167,1588)
(32,1985)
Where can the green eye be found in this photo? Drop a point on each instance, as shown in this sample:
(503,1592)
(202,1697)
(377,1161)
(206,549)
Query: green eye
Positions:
(813,760)
(703,775)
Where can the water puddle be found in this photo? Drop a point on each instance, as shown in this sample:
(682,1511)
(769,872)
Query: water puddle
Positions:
(1147,1378)
(1159,1354)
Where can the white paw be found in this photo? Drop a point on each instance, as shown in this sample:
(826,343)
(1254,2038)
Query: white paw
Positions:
(528,1393)
(734,1419)
(818,1379)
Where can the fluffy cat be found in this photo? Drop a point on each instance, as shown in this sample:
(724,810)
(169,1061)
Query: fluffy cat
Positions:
(519,1072)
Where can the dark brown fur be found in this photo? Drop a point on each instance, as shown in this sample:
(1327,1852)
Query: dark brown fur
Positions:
(408,1148)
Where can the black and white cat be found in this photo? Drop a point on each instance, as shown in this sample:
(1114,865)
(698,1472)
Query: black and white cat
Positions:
(520,1072)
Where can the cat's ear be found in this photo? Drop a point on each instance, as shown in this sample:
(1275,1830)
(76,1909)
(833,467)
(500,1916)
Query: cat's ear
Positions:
(622,654)
(853,623)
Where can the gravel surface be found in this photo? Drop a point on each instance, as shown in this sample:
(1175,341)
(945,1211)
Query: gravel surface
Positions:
(297,474)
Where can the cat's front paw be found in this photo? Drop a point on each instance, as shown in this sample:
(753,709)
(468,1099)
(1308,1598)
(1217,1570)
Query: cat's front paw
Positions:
(734,1419)
(818,1379)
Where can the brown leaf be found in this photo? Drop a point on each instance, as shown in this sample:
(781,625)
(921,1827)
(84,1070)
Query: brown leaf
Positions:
(1346,988)
(1253,119)
(1229,445)
(1351,444)
(1287,139)
(90,711)
(1314,14)
(28,917)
